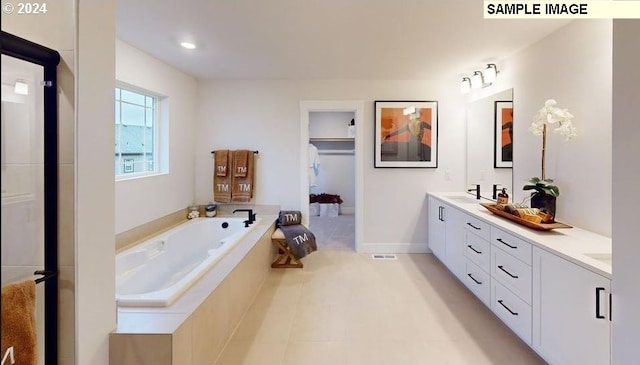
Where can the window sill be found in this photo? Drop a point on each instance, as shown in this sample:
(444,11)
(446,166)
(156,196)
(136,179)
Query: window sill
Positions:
(137,177)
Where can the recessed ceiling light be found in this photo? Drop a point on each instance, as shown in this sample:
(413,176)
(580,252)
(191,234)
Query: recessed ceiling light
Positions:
(188,45)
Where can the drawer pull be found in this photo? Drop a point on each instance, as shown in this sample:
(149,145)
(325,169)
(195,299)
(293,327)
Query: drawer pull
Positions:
(472,226)
(474,250)
(598,315)
(506,244)
(474,279)
(507,308)
(508,273)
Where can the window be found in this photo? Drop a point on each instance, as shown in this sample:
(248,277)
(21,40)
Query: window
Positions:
(136,133)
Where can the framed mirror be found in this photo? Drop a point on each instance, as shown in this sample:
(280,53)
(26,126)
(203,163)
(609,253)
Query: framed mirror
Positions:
(490,143)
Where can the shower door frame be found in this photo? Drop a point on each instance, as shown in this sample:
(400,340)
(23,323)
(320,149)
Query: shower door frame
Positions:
(49,59)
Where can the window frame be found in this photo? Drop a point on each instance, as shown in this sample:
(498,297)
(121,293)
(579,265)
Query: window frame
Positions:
(158,148)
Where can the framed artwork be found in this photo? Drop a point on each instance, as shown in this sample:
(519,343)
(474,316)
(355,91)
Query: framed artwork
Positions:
(406,134)
(503,135)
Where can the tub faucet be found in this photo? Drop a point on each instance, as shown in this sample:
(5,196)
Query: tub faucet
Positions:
(476,189)
(252,215)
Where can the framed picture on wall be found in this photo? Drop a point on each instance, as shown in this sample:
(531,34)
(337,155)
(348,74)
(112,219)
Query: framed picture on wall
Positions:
(406,134)
(503,135)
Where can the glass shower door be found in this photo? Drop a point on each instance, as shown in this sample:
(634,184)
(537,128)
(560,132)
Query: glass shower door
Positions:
(22,134)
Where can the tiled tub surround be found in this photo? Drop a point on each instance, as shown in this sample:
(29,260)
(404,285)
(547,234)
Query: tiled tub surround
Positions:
(197,326)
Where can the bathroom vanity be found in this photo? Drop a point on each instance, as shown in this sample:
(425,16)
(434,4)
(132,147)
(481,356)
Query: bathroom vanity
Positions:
(552,288)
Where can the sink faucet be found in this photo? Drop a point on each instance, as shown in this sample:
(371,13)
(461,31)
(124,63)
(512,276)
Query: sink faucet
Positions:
(476,189)
(496,187)
(252,215)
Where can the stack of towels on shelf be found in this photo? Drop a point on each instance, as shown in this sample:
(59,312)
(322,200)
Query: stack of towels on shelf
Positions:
(300,240)
(233,173)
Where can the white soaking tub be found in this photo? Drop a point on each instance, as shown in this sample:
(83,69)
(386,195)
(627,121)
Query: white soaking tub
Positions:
(157,271)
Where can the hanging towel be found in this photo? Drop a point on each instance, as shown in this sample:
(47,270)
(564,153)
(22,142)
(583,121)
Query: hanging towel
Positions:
(221,176)
(314,163)
(242,186)
(19,322)
(240,163)
(300,240)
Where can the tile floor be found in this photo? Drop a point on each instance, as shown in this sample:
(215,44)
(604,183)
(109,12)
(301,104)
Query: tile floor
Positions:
(334,233)
(345,308)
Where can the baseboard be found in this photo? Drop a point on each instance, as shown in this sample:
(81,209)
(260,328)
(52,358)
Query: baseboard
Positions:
(348,210)
(394,248)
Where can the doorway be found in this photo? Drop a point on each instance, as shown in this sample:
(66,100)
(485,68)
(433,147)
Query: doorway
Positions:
(331,171)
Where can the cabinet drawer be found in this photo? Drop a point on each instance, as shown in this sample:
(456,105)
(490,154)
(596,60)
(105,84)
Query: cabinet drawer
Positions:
(511,310)
(477,226)
(478,251)
(477,281)
(512,273)
(511,244)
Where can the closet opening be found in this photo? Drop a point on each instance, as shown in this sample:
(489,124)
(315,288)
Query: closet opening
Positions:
(331,170)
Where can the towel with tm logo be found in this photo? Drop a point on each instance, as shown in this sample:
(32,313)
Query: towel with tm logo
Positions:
(222,176)
(242,183)
(300,240)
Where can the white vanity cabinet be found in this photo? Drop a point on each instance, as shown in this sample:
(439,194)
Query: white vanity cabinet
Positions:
(437,228)
(545,286)
(446,235)
(571,318)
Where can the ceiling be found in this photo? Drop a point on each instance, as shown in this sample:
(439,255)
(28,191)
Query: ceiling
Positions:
(324,39)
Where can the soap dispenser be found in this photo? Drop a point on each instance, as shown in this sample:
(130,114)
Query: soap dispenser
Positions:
(503,198)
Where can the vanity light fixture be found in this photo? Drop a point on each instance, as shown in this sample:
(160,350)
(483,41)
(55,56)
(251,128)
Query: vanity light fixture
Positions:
(465,85)
(476,80)
(490,73)
(21,87)
(188,45)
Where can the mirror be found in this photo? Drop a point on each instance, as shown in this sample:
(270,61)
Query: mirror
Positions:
(489,147)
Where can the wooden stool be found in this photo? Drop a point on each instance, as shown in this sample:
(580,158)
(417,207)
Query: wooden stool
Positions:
(290,261)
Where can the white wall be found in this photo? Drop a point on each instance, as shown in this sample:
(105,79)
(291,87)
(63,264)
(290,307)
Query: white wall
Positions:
(572,65)
(264,115)
(329,124)
(626,174)
(95,240)
(137,199)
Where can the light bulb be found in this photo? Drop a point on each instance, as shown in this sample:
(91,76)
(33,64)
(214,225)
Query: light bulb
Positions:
(490,73)
(476,80)
(188,45)
(465,85)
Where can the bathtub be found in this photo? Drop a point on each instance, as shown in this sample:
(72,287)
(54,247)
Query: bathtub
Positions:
(159,270)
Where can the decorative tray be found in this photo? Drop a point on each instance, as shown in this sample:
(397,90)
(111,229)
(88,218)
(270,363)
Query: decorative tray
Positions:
(537,226)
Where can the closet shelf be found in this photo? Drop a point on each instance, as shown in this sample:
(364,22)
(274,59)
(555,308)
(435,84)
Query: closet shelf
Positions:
(332,139)
(336,152)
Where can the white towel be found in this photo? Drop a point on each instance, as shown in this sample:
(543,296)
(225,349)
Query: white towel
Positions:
(314,163)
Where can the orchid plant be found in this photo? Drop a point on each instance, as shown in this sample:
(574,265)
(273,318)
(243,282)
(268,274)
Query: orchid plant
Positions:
(560,121)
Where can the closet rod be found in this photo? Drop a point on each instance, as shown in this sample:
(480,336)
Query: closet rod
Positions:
(336,152)
(256,152)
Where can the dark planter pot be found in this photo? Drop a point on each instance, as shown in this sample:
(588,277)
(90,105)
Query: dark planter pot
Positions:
(544,202)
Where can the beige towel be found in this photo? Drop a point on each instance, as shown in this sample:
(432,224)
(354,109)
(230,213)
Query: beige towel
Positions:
(242,190)
(240,163)
(221,177)
(19,322)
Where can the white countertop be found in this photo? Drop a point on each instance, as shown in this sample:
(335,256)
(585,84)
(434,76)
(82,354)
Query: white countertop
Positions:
(574,244)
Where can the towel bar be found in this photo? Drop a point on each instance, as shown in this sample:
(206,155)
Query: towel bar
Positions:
(255,152)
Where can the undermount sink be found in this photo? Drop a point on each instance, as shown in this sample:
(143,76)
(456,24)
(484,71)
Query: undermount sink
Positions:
(462,199)
(602,257)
